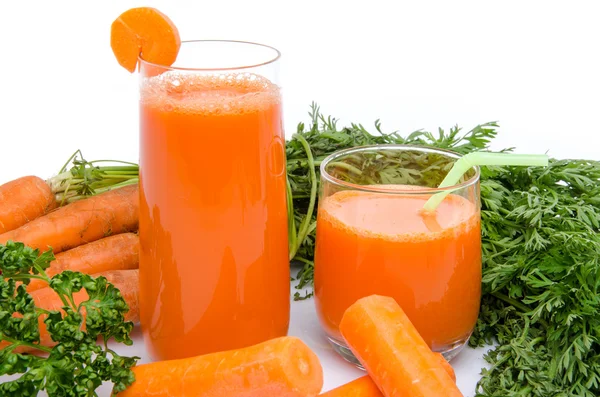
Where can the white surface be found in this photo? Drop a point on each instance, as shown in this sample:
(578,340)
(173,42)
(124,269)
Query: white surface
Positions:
(533,66)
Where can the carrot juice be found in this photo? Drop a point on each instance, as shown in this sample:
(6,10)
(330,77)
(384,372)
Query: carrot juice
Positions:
(371,242)
(214,269)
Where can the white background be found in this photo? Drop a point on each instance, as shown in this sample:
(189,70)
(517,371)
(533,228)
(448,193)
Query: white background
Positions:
(533,66)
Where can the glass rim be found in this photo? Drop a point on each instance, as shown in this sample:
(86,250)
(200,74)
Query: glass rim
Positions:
(275,58)
(420,190)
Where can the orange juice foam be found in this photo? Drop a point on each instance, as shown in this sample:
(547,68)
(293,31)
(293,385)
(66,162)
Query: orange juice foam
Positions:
(233,93)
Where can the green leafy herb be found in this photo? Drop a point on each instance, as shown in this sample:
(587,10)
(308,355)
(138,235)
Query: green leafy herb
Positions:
(541,252)
(76,365)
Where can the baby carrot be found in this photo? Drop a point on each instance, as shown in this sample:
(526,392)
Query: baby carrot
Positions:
(125,281)
(365,387)
(81,222)
(281,367)
(395,356)
(24,200)
(118,252)
(147,33)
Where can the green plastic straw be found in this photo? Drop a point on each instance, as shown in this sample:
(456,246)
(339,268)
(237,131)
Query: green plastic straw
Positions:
(465,163)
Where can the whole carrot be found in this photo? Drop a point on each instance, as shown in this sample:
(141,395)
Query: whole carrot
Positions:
(81,222)
(281,367)
(365,387)
(24,200)
(46,298)
(390,348)
(118,252)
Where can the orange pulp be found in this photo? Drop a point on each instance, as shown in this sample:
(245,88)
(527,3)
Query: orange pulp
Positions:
(214,269)
(372,243)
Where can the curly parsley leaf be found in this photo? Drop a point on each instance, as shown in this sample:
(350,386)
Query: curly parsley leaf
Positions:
(92,308)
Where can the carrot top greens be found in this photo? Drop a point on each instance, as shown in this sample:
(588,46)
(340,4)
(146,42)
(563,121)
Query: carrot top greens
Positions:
(76,366)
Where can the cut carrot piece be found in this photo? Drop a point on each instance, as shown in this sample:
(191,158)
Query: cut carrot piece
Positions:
(361,387)
(390,348)
(118,252)
(126,281)
(81,222)
(147,33)
(365,387)
(24,200)
(280,367)
(446,365)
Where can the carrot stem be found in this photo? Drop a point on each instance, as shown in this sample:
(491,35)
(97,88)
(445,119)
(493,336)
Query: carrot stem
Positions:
(304,225)
(18,277)
(87,178)
(113,161)
(15,343)
(513,302)
(293,236)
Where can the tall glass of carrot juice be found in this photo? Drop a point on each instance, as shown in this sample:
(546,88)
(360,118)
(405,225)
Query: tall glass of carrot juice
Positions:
(214,268)
(374,238)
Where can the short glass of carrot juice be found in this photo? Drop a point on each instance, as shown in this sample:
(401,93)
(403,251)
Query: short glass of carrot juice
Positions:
(214,266)
(374,238)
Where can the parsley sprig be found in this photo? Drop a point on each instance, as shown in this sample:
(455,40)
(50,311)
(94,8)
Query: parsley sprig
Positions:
(77,365)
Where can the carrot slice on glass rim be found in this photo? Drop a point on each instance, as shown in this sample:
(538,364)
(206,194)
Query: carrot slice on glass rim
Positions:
(147,33)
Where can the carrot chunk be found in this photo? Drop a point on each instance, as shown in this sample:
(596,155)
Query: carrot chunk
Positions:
(81,222)
(24,200)
(147,33)
(446,365)
(280,367)
(390,348)
(365,387)
(361,387)
(118,252)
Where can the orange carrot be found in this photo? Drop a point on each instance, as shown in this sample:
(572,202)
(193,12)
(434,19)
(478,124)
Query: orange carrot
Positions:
(280,367)
(390,348)
(118,252)
(365,387)
(24,200)
(46,298)
(147,33)
(446,365)
(361,387)
(81,222)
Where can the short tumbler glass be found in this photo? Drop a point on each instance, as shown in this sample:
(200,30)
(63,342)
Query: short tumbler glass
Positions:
(374,238)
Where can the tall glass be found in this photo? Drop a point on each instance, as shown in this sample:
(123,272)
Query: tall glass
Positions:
(374,238)
(214,269)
